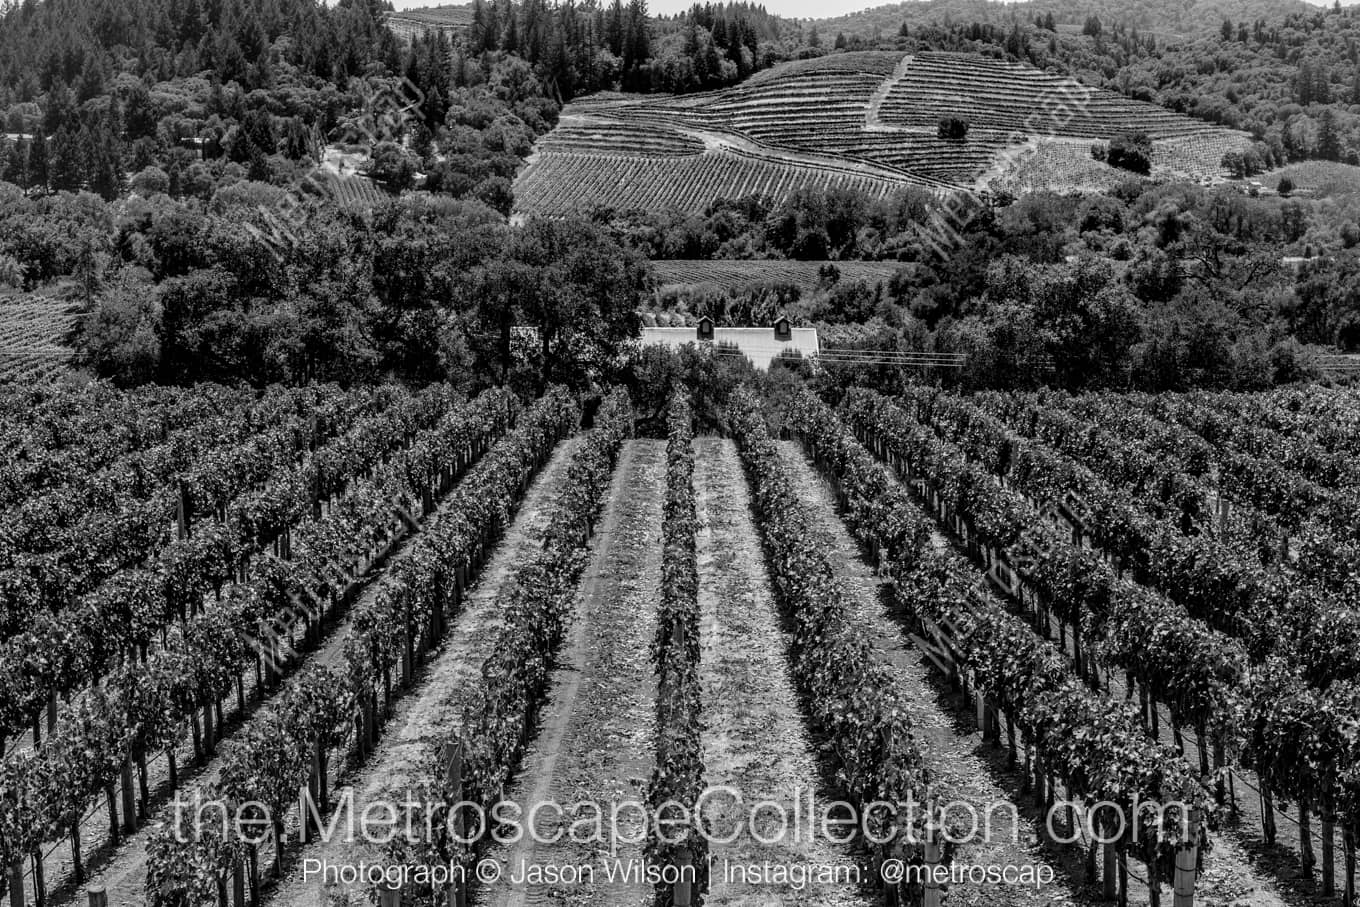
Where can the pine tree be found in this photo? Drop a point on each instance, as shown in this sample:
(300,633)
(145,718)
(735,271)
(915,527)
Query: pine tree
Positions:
(477,39)
(510,41)
(66,166)
(614,29)
(1329,144)
(37,164)
(91,83)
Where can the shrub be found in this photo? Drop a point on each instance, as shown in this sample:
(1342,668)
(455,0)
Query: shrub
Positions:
(151,181)
(954,129)
(11,272)
(1132,152)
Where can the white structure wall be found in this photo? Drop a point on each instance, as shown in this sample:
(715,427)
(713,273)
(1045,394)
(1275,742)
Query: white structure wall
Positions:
(759,344)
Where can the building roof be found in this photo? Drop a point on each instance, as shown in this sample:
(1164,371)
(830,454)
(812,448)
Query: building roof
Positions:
(758,344)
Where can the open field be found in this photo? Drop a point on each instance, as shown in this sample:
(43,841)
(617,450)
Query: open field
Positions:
(1323,179)
(866,119)
(731,276)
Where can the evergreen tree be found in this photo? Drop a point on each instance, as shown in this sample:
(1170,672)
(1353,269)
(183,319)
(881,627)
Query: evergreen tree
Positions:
(614,29)
(37,164)
(1329,144)
(66,167)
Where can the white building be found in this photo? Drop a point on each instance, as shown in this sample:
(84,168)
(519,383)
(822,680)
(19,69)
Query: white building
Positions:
(761,345)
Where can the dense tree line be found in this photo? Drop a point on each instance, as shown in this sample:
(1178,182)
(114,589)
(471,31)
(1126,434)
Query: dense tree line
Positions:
(101,90)
(424,288)
(1152,286)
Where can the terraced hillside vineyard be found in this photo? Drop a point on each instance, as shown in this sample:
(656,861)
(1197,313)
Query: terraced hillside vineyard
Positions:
(868,120)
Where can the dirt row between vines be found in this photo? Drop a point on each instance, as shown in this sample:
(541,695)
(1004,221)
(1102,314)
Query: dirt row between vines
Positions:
(754,736)
(596,742)
(1232,874)
(425,713)
(966,770)
(121,868)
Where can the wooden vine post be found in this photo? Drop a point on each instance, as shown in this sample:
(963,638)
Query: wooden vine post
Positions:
(129,797)
(16,882)
(389,895)
(682,894)
(98,896)
(933,895)
(1328,852)
(1187,862)
(238,883)
(452,757)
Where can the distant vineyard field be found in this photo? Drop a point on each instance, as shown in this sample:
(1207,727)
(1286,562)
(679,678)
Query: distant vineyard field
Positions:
(1325,179)
(560,183)
(866,119)
(33,334)
(411,23)
(729,276)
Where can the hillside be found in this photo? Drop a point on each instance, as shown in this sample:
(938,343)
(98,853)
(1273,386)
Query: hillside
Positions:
(410,24)
(1283,70)
(1148,16)
(867,120)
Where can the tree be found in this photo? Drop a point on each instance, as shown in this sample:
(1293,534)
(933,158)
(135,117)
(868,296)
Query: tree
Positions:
(38,170)
(1329,144)
(954,129)
(120,340)
(151,181)
(1132,152)
(574,286)
(11,272)
(392,166)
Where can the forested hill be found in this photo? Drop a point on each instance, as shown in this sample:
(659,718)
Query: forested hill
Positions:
(1169,17)
(83,44)
(1290,77)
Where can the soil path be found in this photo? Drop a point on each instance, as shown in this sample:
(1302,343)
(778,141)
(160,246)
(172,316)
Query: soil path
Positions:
(969,774)
(424,714)
(754,736)
(596,741)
